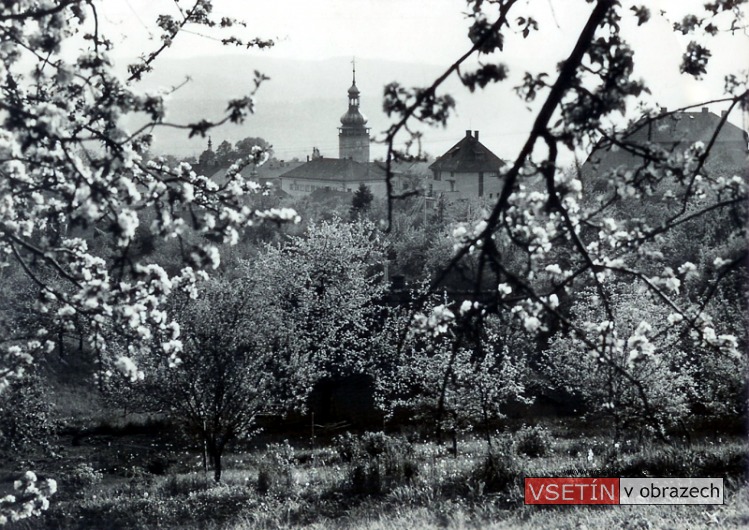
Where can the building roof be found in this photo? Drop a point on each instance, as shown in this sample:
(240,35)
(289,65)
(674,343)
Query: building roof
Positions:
(468,156)
(353,118)
(411,169)
(271,170)
(675,130)
(687,128)
(336,169)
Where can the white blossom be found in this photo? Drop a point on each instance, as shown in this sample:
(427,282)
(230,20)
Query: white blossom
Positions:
(531,323)
(129,369)
(553,301)
(465,307)
(673,284)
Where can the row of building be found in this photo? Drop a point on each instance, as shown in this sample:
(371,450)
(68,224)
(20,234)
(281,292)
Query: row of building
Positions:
(469,169)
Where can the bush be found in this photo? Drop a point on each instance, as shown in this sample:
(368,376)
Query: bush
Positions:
(184,484)
(25,417)
(158,465)
(347,446)
(365,478)
(80,479)
(731,460)
(497,472)
(533,441)
(378,462)
(376,443)
(276,473)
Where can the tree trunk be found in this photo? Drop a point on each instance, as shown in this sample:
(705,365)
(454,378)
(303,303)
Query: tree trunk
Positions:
(216,456)
(215,451)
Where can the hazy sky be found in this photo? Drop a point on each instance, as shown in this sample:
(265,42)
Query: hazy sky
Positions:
(434,31)
(420,30)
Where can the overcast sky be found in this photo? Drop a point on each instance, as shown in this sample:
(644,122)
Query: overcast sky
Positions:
(434,31)
(422,30)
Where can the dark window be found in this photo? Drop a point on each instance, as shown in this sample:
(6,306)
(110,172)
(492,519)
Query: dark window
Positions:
(481,184)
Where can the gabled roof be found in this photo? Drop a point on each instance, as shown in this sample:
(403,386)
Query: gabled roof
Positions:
(336,169)
(674,130)
(687,128)
(468,156)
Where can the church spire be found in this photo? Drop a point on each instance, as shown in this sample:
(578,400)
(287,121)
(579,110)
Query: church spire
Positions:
(353,134)
(353,92)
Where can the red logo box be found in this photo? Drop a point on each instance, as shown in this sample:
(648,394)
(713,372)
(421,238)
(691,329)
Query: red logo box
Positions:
(571,490)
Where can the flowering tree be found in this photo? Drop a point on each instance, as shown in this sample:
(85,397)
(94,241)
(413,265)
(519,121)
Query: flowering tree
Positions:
(321,296)
(668,373)
(224,379)
(544,238)
(69,170)
(452,371)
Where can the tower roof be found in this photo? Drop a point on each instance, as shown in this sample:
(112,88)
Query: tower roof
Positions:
(353,118)
(353,91)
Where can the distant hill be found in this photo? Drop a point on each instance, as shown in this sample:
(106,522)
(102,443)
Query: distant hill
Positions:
(300,107)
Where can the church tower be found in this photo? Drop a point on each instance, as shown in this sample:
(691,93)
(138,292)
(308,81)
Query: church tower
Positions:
(353,134)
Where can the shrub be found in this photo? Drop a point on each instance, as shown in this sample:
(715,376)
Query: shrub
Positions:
(276,472)
(376,443)
(378,462)
(79,479)
(365,478)
(533,441)
(347,446)
(184,484)
(731,460)
(25,417)
(497,472)
(158,465)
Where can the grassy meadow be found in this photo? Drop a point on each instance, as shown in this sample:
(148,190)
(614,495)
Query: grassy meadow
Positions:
(122,476)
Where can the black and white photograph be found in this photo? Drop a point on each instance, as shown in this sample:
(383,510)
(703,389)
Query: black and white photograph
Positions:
(374,264)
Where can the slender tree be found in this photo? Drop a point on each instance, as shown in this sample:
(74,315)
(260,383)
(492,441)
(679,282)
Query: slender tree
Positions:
(361,201)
